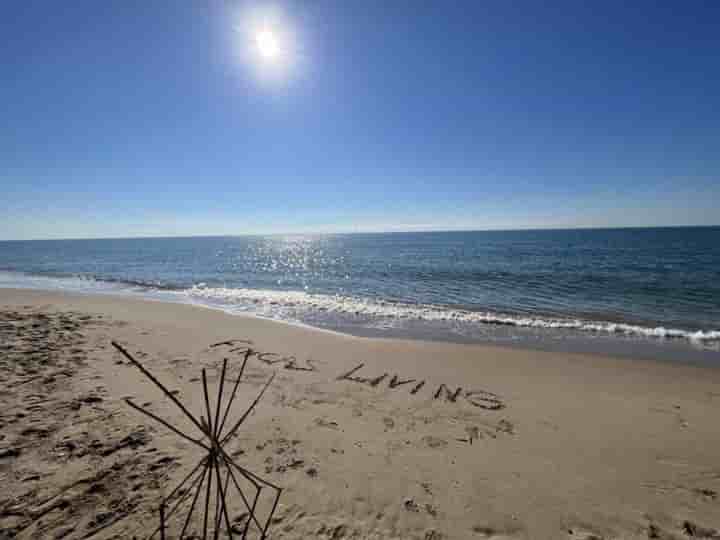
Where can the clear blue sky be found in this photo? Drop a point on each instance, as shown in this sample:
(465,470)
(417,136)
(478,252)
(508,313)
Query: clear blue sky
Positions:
(134,118)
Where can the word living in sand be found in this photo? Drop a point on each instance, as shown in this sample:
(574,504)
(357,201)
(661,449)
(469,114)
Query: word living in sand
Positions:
(477,398)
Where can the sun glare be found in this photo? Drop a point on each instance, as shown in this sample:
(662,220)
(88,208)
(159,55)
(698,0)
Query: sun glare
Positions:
(267,44)
(266,41)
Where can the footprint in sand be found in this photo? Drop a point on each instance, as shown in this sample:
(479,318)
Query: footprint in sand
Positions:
(482,531)
(580,533)
(324,422)
(434,442)
(707,494)
(693,530)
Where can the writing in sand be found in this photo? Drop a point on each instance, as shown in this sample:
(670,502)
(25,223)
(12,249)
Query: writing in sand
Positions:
(482,399)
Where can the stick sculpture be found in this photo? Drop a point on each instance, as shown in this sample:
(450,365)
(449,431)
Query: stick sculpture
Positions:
(208,469)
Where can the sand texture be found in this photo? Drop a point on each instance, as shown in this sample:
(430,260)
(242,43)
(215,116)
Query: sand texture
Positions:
(369,438)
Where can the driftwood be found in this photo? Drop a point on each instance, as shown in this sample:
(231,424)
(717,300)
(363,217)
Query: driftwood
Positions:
(208,470)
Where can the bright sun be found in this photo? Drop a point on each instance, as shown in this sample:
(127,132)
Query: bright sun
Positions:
(265,40)
(267,44)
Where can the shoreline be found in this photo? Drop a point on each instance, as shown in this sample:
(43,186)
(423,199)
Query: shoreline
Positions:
(76,298)
(664,349)
(370,438)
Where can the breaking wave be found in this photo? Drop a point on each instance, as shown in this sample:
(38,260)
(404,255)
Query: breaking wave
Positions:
(304,306)
(296,303)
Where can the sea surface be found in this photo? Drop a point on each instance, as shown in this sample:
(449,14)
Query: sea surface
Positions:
(641,292)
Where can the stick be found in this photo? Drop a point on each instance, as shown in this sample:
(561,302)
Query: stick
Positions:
(194,502)
(278,490)
(254,478)
(232,396)
(216,520)
(221,497)
(219,398)
(249,474)
(207,499)
(267,523)
(224,496)
(180,500)
(157,383)
(252,513)
(164,423)
(207,407)
(245,501)
(252,406)
(177,488)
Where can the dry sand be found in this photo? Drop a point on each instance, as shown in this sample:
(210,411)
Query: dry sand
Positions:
(532,445)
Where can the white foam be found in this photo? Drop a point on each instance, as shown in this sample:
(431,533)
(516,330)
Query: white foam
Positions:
(283,303)
(296,305)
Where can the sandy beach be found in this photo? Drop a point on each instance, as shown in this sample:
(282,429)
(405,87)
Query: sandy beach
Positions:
(290,270)
(369,438)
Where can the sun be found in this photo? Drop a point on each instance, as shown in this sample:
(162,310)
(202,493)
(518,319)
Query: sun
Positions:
(266,41)
(267,45)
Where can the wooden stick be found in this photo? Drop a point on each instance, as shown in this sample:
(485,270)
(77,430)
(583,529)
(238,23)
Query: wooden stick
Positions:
(218,487)
(252,513)
(216,518)
(194,502)
(207,498)
(219,398)
(267,523)
(213,430)
(252,476)
(232,395)
(180,500)
(245,501)
(221,496)
(164,423)
(224,496)
(157,383)
(244,416)
(207,407)
(229,462)
(278,492)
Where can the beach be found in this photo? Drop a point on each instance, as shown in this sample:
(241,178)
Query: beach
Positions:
(368,437)
(280,270)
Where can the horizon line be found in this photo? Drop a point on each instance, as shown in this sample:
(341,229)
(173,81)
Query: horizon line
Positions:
(340,233)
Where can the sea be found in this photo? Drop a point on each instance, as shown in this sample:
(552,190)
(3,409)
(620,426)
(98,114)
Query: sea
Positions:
(643,293)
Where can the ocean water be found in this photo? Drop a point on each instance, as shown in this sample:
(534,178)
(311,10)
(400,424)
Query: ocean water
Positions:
(649,291)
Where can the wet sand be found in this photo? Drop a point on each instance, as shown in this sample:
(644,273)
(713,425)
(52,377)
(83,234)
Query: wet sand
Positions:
(369,438)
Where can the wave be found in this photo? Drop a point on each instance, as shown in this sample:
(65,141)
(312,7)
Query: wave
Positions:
(282,302)
(302,305)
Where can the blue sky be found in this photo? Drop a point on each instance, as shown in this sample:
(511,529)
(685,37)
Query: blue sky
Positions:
(135,118)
